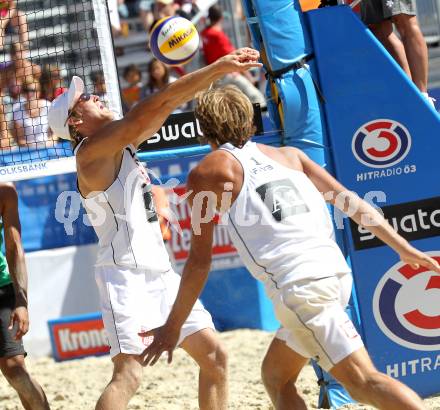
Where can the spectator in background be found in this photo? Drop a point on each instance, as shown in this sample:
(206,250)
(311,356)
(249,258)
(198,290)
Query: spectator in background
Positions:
(182,8)
(127,8)
(216,44)
(30,117)
(132,93)
(25,70)
(99,86)
(52,83)
(14,319)
(146,13)
(187,8)
(135,8)
(19,70)
(5,137)
(164,8)
(410,51)
(10,95)
(159,77)
(13,26)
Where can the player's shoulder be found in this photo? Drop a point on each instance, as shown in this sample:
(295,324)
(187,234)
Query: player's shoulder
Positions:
(289,156)
(8,193)
(291,151)
(217,165)
(7,189)
(296,157)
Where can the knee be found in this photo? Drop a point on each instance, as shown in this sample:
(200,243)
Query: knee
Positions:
(15,371)
(216,364)
(406,25)
(360,386)
(130,378)
(381,30)
(272,379)
(266,374)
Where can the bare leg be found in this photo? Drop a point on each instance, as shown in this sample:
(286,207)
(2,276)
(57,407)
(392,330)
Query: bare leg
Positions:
(280,369)
(30,392)
(367,385)
(415,49)
(204,347)
(127,374)
(384,33)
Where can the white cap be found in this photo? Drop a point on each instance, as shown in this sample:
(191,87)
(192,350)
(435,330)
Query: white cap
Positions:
(59,109)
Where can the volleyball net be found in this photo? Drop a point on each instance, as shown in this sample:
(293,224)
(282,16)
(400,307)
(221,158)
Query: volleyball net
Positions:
(44,44)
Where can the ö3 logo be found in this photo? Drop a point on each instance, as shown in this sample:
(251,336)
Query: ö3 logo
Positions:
(406,308)
(381,143)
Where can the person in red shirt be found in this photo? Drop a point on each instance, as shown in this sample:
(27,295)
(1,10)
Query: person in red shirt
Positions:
(216,44)
(52,83)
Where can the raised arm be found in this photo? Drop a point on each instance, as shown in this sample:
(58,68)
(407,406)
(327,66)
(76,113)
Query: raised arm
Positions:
(15,257)
(148,116)
(23,32)
(363,214)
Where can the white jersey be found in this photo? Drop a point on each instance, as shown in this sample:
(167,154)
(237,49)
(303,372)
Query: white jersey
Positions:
(280,223)
(125,220)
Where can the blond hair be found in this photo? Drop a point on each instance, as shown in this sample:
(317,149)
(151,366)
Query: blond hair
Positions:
(225,115)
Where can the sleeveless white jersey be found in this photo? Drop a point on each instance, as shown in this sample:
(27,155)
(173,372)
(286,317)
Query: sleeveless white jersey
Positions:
(125,220)
(280,223)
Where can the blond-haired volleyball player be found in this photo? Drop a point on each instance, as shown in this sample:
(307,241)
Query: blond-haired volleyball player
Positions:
(282,229)
(136,283)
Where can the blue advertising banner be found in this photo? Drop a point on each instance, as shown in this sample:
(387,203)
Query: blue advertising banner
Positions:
(51,214)
(384,136)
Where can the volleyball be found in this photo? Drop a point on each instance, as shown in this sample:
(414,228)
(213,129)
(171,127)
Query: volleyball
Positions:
(174,40)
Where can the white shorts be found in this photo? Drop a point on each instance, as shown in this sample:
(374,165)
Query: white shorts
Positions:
(314,322)
(137,300)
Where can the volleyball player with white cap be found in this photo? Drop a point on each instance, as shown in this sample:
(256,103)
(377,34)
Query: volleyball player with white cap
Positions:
(136,283)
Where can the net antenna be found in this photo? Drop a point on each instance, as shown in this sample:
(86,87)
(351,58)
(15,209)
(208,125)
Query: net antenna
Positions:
(54,40)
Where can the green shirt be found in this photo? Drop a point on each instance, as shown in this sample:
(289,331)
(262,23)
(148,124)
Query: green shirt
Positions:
(5,279)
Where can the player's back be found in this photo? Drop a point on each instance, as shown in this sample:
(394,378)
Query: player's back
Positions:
(279,222)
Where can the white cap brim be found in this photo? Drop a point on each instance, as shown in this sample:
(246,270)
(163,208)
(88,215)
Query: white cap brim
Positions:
(76,88)
(59,109)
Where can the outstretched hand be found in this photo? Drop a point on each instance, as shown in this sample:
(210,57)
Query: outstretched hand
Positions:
(241,59)
(416,259)
(164,340)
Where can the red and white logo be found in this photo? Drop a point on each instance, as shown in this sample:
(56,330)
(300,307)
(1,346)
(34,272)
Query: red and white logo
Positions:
(381,143)
(406,307)
(78,337)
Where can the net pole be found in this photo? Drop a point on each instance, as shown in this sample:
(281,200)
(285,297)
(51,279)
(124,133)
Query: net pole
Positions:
(109,68)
